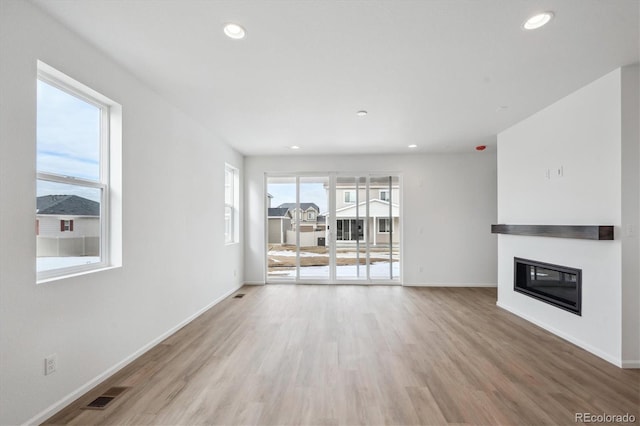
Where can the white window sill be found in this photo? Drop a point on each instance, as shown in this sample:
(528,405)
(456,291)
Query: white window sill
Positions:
(76,274)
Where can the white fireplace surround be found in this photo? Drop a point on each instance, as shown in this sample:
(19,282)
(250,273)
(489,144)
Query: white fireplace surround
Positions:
(570,164)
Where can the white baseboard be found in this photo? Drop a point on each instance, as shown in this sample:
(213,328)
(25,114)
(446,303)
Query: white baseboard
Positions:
(355,282)
(631,363)
(57,406)
(451,285)
(597,352)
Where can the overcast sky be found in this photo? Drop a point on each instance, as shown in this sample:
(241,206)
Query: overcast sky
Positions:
(68,141)
(309,193)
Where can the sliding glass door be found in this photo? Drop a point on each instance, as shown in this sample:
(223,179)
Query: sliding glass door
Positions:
(367,218)
(297,246)
(333,228)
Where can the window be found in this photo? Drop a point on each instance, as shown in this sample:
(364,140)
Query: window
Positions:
(66,225)
(311,215)
(76,129)
(231,201)
(384,194)
(350,197)
(384,225)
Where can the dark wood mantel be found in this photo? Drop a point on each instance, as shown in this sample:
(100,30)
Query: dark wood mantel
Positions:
(589,232)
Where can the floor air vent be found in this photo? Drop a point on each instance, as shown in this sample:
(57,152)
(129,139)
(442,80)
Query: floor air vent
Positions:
(239,296)
(101,402)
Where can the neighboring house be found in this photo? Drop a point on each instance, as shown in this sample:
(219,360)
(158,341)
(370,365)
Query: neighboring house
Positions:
(284,219)
(384,214)
(306,216)
(279,220)
(67,225)
(351,208)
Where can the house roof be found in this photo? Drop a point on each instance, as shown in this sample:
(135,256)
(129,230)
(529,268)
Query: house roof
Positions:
(70,205)
(377,208)
(277,212)
(303,206)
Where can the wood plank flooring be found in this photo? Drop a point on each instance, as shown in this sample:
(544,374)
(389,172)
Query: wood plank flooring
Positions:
(347,355)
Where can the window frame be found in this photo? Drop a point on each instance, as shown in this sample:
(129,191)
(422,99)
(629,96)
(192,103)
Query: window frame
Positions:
(231,205)
(387,226)
(351,194)
(110,138)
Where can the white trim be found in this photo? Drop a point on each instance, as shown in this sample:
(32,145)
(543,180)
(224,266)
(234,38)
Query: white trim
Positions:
(630,364)
(233,173)
(607,357)
(340,282)
(109,174)
(62,403)
(254,283)
(487,285)
(77,273)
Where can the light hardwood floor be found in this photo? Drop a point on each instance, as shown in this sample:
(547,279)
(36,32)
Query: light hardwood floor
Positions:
(334,355)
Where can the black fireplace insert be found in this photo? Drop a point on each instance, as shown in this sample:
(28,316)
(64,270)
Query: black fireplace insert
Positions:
(557,285)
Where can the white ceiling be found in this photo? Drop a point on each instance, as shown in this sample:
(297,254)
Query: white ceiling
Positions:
(433,72)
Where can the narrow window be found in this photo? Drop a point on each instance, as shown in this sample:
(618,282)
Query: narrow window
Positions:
(231,204)
(350,197)
(384,225)
(384,195)
(73,186)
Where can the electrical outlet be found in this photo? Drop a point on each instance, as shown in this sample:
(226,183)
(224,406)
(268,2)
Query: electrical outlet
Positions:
(50,364)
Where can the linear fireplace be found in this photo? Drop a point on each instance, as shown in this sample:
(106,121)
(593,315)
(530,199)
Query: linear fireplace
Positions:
(560,286)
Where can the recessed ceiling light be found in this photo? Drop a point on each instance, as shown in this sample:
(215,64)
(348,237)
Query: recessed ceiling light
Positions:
(361,113)
(234,31)
(413,145)
(537,21)
(294,147)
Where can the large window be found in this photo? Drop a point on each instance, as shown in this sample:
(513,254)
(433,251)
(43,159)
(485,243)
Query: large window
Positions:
(73,182)
(231,201)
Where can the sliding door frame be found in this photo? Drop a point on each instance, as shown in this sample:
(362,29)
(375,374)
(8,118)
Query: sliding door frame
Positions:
(332,224)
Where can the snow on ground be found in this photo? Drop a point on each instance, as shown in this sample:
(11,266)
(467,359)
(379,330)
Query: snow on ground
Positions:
(293,253)
(347,255)
(378,270)
(47,263)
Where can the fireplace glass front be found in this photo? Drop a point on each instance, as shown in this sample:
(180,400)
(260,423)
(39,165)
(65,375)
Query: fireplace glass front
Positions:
(557,285)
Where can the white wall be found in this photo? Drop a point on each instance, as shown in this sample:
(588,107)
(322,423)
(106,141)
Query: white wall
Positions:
(581,134)
(449,204)
(630,217)
(173,176)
